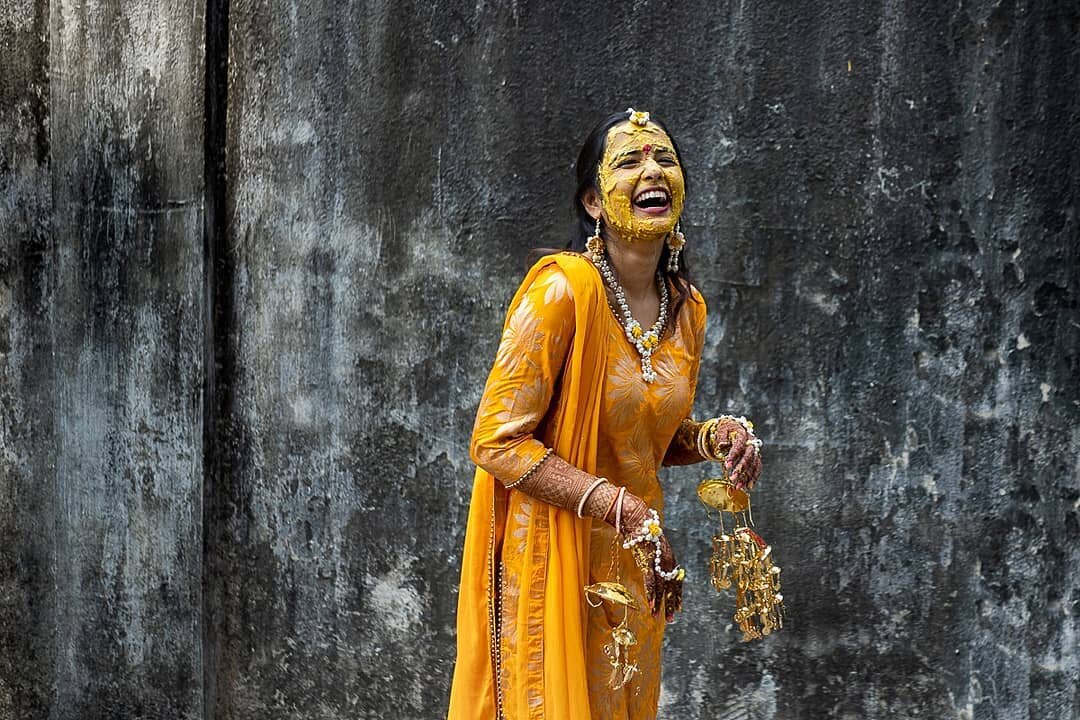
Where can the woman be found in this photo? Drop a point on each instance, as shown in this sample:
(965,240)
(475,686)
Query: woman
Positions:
(591,391)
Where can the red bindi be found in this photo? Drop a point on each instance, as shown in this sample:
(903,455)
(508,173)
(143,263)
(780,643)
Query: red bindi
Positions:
(646,149)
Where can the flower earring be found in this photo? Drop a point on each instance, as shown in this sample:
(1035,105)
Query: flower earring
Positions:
(595,244)
(675,243)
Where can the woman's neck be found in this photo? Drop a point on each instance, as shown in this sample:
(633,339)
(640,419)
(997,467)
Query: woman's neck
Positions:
(635,265)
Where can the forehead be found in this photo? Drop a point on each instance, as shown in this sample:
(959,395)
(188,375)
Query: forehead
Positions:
(628,135)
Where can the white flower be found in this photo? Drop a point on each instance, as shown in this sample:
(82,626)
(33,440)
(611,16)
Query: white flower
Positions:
(638,118)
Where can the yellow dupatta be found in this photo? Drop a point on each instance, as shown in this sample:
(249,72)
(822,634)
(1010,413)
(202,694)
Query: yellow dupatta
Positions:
(556,687)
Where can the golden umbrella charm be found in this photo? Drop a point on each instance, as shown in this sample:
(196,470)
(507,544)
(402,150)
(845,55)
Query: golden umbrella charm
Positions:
(617,651)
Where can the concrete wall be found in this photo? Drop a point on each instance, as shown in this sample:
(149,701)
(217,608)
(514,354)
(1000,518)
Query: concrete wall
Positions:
(101,339)
(255,262)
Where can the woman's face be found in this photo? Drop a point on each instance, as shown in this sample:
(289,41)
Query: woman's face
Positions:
(641,182)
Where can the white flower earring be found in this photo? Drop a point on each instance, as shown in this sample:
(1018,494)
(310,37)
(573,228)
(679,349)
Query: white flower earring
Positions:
(675,243)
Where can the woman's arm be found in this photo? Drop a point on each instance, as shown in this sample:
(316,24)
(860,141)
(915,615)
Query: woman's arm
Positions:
(683,449)
(535,342)
(730,440)
(518,393)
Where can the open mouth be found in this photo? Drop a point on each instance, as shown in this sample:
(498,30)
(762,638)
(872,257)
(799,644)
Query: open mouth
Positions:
(655,200)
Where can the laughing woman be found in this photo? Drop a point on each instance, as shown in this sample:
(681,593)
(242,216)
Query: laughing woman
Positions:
(590,394)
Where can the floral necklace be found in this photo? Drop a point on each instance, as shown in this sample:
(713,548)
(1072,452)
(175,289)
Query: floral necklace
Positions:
(646,341)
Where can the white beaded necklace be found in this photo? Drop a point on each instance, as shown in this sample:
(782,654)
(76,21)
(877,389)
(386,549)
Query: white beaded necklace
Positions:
(646,341)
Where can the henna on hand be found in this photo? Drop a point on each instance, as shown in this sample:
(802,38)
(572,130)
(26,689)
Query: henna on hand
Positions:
(659,593)
(670,591)
(749,470)
(559,483)
(731,441)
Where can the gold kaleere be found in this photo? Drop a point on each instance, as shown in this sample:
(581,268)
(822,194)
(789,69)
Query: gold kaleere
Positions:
(743,560)
(623,668)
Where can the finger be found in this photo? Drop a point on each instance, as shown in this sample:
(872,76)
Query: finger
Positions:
(737,475)
(678,595)
(658,595)
(649,586)
(669,604)
(755,472)
(737,435)
(666,562)
(751,470)
(649,578)
(748,474)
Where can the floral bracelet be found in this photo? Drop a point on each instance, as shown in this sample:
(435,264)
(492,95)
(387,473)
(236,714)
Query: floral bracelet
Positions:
(652,532)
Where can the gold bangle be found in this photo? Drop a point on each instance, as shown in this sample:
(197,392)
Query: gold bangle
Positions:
(705,438)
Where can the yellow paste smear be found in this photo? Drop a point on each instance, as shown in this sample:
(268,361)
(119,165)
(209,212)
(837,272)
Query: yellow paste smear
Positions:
(619,185)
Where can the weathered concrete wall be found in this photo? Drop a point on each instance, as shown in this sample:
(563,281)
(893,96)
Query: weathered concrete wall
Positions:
(27,650)
(884,222)
(891,252)
(882,218)
(101,336)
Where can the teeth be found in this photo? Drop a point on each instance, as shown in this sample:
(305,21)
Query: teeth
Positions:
(649,195)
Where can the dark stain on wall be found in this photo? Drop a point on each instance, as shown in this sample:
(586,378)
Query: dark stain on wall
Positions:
(27,646)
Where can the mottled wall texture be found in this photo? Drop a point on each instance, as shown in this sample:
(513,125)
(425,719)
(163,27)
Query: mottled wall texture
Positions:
(253,264)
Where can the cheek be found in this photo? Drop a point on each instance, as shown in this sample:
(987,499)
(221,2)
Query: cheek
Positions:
(678,187)
(617,187)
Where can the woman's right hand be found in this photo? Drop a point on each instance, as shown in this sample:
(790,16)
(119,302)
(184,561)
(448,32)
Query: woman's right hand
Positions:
(659,592)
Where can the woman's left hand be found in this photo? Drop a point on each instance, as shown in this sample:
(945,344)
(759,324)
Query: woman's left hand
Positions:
(741,450)
(660,593)
(670,591)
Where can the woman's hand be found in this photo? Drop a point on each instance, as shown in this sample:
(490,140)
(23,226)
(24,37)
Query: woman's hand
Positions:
(659,592)
(741,455)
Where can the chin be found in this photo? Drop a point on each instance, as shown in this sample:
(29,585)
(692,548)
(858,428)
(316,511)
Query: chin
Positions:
(659,226)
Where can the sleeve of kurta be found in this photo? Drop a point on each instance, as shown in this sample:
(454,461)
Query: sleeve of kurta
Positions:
(532,351)
(683,447)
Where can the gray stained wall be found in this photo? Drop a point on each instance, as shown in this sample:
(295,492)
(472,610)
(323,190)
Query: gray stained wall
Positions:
(252,272)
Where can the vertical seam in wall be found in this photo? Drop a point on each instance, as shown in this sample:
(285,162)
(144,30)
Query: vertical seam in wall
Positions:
(56,545)
(217,315)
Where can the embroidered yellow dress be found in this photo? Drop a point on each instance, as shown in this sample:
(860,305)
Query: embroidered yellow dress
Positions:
(564,377)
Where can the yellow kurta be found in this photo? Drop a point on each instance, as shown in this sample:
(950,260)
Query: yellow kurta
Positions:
(564,377)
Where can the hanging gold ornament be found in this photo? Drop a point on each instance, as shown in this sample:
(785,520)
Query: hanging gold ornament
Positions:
(623,668)
(743,560)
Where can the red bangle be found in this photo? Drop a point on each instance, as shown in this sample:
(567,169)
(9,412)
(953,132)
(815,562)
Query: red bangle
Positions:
(611,506)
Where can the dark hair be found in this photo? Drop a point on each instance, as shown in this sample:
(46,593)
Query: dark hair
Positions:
(588,166)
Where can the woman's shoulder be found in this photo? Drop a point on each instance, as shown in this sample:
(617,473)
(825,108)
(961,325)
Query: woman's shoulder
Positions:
(696,297)
(572,269)
(694,311)
(567,261)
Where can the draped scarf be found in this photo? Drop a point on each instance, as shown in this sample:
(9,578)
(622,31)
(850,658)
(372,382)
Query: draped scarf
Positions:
(544,677)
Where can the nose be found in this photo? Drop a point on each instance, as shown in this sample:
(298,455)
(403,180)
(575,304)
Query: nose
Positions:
(651,168)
